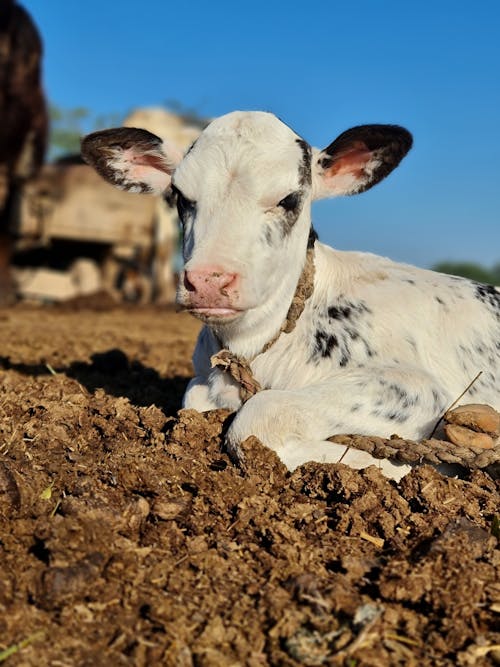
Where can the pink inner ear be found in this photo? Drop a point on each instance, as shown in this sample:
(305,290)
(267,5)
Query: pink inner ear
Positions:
(151,160)
(351,161)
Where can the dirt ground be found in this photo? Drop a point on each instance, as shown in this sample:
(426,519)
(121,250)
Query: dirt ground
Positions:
(127,536)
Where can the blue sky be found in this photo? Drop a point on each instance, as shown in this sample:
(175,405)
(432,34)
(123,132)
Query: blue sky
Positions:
(433,67)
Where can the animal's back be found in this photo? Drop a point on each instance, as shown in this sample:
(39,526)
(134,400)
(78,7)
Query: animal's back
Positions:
(411,316)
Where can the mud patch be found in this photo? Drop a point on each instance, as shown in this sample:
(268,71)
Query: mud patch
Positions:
(128,537)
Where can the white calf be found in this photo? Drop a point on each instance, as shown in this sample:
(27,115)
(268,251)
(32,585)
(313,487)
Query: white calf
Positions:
(379,348)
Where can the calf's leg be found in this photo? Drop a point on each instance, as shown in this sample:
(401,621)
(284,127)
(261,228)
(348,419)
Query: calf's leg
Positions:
(380,401)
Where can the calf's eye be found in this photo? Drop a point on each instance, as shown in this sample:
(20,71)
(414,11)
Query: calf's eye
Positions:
(290,202)
(185,206)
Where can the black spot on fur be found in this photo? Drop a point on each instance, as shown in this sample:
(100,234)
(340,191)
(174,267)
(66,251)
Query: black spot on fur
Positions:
(191,148)
(345,323)
(291,209)
(268,235)
(344,359)
(402,397)
(339,312)
(344,310)
(324,343)
(368,349)
(313,236)
(489,295)
(437,402)
(395,403)
(305,175)
(395,416)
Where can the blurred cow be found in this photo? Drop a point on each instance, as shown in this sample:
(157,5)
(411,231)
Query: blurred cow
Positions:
(23,119)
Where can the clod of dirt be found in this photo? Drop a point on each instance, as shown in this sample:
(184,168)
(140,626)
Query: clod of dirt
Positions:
(460,435)
(60,585)
(478,417)
(473,425)
(10,498)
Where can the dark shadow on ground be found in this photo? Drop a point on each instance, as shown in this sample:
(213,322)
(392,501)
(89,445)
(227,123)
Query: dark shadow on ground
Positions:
(117,375)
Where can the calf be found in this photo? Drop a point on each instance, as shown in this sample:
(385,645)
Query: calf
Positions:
(379,347)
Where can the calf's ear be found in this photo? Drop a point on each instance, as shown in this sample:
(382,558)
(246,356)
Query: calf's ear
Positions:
(131,159)
(358,159)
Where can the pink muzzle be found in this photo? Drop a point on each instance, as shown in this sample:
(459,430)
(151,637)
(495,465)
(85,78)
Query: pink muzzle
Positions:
(211,287)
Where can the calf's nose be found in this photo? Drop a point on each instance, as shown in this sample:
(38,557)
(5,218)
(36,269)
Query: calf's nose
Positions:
(210,282)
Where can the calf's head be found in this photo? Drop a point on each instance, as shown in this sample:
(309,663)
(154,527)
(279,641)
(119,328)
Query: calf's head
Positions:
(244,192)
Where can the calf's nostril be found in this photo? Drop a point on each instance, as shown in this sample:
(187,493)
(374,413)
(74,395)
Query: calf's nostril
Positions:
(188,284)
(226,280)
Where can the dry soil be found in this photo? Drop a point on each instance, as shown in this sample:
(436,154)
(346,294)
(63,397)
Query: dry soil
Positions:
(128,537)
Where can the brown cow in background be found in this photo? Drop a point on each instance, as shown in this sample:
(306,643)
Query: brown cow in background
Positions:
(23,120)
